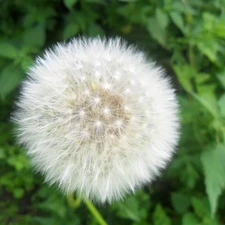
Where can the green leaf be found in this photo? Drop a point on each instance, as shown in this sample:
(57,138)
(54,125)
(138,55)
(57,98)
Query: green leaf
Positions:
(202,210)
(178,20)
(180,202)
(221,104)
(191,175)
(7,50)
(131,208)
(94,29)
(55,220)
(70,30)
(54,204)
(207,97)
(19,162)
(208,103)
(96,1)
(202,78)
(18,192)
(206,93)
(77,21)
(178,6)
(219,28)
(209,47)
(35,37)
(160,217)
(69,3)
(221,77)
(2,153)
(26,63)
(201,207)
(213,160)
(156,31)
(189,219)
(10,77)
(185,73)
(209,21)
(162,18)
(127,0)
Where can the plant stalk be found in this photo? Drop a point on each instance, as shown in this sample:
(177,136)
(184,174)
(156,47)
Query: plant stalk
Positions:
(74,203)
(95,212)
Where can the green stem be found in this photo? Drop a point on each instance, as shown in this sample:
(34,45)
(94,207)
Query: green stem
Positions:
(75,203)
(95,212)
(72,202)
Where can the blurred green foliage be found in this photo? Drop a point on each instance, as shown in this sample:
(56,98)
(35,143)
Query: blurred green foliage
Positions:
(187,38)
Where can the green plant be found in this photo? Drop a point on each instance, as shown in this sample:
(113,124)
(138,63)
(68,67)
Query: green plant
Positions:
(188,38)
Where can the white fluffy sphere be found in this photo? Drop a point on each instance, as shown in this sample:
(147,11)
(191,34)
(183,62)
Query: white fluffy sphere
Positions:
(96,118)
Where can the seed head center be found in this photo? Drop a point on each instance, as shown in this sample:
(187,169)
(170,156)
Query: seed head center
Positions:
(101,114)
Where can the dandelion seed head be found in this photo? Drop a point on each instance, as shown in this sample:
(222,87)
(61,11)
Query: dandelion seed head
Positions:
(97,119)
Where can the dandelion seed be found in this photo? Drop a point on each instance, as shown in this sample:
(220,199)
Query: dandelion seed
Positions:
(106,111)
(111,130)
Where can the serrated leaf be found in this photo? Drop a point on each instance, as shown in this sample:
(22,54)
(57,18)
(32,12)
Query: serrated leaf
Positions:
(10,77)
(160,217)
(213,160)
(69,3)
(7,50)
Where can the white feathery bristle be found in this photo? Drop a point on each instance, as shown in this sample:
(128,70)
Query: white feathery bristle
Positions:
(96,118)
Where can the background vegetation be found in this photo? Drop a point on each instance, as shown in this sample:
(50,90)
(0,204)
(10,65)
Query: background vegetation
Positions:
(187,38)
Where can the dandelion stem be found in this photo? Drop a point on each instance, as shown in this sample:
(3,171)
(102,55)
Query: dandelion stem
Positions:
(74,203)
(95,212)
